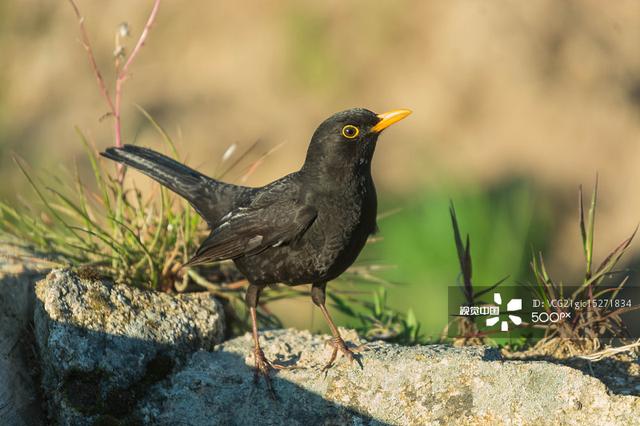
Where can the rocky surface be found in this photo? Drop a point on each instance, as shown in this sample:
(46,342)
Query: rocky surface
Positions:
(19,390)
(399,385)
(103,345)
(113,354)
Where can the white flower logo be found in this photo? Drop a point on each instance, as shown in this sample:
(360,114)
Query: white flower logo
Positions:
(512,305)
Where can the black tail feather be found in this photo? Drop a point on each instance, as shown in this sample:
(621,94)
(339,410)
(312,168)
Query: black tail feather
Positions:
(170,173)
(208,196)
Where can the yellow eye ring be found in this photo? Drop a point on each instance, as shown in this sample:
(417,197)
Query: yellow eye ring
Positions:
(350,131)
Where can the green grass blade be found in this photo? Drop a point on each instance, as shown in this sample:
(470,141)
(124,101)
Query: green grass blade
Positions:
(136,239)
(590,230)
(464,255)
(165,136)
(97,171)
(43,198)
(77,210)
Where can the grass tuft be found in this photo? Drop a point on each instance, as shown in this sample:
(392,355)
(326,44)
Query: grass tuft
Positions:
(467,331)
(582,330)
(115,230)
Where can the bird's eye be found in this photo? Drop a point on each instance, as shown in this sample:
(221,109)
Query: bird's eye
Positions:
(350,131)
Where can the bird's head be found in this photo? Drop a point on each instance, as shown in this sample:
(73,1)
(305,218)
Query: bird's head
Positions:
(347,139)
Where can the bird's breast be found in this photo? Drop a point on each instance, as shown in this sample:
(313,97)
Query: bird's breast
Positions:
(340,231)
(331,244)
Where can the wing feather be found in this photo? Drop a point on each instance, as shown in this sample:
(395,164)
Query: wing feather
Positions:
(250,230)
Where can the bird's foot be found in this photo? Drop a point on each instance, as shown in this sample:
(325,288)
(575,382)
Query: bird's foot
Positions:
(263,368)
(349,353)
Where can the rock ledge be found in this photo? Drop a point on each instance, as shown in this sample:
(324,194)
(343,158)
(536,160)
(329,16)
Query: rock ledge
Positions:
(434,384)
(117,355)
(102,345)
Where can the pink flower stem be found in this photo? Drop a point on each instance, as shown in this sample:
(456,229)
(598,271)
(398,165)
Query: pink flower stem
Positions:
(92,60)
(121,74)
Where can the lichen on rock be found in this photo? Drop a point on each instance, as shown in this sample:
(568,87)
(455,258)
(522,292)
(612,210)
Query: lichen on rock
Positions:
(102,345)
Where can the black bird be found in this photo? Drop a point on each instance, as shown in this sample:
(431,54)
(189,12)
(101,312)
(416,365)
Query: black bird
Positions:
(304,228)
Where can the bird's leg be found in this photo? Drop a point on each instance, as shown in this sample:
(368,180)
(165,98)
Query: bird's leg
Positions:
(263,366)
(338,344)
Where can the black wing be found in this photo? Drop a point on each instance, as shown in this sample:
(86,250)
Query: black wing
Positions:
(249,230)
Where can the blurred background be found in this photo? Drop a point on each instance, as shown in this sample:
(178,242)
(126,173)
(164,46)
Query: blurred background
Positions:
(515,105)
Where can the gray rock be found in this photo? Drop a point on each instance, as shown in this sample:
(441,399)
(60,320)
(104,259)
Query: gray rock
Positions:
(117,355)
(399,385)
(102,345)
(19,391)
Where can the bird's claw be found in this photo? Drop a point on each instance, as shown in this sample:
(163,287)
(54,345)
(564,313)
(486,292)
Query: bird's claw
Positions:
(263,368)
(351,354)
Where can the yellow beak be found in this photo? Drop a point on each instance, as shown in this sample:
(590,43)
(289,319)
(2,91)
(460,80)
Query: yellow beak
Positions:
(388,118)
